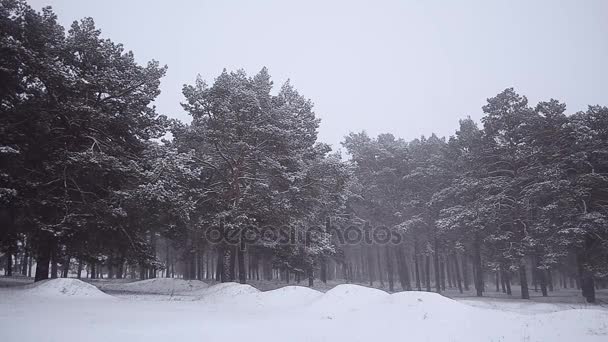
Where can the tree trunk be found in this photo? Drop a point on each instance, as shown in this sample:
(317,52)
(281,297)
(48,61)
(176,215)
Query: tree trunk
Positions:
(9,264)
(322,259)
(167,261)
(478,271)
(241,261)
(389,268)
(550,280)
(542,280)
(379,261)
(457,271)
(436,266)
(120,267)
(465,272)
(523,280)
(403,270)
(417,272)
(448,268)
(54,267)
(219,267)
(311,276)
(442,273)
(370,265)
(227,265)
(585,279)
(66,267)
(43,258)
(79,272)
(26,259)
(427,272)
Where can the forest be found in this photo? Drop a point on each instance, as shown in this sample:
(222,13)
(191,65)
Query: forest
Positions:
(95,183)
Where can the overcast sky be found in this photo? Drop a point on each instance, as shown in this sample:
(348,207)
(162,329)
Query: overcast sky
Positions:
(405,67)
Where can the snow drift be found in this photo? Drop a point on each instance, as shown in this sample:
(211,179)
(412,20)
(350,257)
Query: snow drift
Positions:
(231,311)
(223,292)
(347,297)
(284,297)
(158,286)
(63,287)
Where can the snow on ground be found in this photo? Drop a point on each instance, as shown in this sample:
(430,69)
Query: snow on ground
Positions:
(525,306)
(58,288)
(166,286)
(233,311)
(285,298)
(347,297)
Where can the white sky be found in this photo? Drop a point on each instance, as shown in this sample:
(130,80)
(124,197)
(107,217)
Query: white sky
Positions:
(405,67)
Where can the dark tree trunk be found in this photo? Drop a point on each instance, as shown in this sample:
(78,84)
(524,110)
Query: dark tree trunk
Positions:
(120,267)
(478,271)
(508,282)
(523,280)
(54,267)
(403,269)
(389,268)
(497,279)
(29,267)
(427,272)
(550,280)
(436,266)
(94,273)
(322,259)
(442,273)
(43,258)
(219,267)
(542,280)
(227,265)
(417,272)
(586,280)
(448,268)
(242,270)
(380,270)
(370,265)
(311,276)
(167,261)
(9,264)
(457,271)
(79,271)
(26,259)
(66,267)
(465,272)
(153,245)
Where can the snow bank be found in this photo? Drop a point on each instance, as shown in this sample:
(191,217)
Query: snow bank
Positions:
(424,299)
(158,286)
(63,287)
(224,292)
(284,297)
(242,312)
(347,297)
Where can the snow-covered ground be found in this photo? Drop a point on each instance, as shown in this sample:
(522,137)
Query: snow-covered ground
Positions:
(71,310)
(165,286)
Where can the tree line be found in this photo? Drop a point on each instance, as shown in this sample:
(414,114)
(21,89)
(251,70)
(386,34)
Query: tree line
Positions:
(88,184)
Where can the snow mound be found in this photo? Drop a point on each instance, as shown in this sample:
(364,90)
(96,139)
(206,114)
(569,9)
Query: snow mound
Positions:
(284,297)
(348,297)
(423,299)
(62,287)
(224,292)
(355,293)
(159,286)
